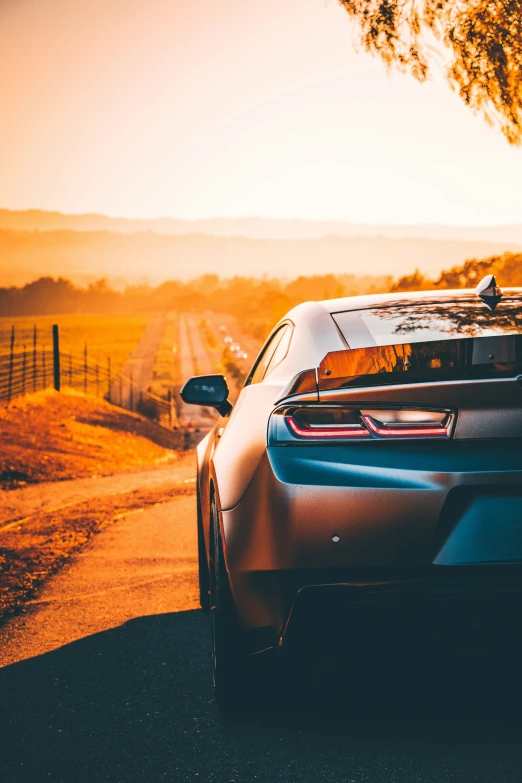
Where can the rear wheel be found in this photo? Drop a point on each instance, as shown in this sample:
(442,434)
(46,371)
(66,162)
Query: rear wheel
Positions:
(230,660)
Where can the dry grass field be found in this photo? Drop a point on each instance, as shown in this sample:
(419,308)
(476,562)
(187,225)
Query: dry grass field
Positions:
(51,436)
(114,335)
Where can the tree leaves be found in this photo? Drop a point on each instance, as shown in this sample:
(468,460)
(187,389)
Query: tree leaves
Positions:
(482,38)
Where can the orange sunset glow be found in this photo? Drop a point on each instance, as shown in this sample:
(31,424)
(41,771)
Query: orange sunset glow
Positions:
(244,107)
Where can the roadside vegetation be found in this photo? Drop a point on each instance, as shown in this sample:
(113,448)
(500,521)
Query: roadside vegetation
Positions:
(233,369)
(50,436)
(507,268)
(208,336)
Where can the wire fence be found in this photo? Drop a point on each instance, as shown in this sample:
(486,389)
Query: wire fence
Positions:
(32,367)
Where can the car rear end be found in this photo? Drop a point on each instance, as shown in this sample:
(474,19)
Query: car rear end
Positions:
(391,486)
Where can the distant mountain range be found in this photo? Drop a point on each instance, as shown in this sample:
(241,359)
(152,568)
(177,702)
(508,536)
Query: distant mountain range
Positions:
(85,247)
(253,227)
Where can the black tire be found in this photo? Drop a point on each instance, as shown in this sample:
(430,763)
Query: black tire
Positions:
(204,582)
(230,664)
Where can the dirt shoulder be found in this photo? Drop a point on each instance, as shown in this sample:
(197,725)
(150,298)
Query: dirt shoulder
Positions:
(36,547)
(16,504)
(50,436)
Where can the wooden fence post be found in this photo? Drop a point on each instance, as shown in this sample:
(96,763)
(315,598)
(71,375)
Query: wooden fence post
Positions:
(35,333)
(70,369)
(24,362)
(56,357)
(11,359)
(44,369)
(109,383)
(85,368)
(131,393)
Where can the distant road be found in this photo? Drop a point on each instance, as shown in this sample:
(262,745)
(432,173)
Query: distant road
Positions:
(234,328)
(194,360)
(140,364)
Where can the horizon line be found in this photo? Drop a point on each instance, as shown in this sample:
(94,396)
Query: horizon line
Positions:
(314,220)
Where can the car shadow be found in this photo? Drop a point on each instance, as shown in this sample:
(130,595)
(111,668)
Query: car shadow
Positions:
(135,703)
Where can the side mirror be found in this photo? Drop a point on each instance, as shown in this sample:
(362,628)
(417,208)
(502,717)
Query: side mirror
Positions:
(208,390)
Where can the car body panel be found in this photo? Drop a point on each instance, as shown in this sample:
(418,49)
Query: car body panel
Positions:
(385,505)
(243,441)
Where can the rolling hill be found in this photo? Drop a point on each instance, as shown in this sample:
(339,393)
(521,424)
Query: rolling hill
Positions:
(86,247)
(253,227)
(149,257)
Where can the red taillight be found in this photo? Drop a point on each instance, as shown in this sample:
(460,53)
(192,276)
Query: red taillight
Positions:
(419,431)
(340,422)
(335,431)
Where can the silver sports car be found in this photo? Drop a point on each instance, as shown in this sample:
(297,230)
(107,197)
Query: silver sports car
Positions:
(370,468)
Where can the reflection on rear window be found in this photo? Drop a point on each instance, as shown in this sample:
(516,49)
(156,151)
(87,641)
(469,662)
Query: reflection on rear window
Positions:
(423,322)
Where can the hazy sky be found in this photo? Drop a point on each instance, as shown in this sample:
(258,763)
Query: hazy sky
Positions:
(238,107)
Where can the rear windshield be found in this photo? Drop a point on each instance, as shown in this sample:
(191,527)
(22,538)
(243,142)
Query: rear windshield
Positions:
(426,321)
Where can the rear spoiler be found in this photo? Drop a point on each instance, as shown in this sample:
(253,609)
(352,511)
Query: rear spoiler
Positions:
(460,359)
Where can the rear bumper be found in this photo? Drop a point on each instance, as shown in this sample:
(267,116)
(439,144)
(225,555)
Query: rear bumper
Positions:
(476,610)
(348,516)
(458,610)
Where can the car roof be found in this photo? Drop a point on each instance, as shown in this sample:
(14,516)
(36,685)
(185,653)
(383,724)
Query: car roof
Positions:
(405,298)
(315,311)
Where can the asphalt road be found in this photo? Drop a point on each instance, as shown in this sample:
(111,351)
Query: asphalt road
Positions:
(145,563)
(107,679)
(194,360)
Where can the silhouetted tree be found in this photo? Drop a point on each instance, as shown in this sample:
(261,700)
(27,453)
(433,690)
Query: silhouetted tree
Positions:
(414,282)
(507,268)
